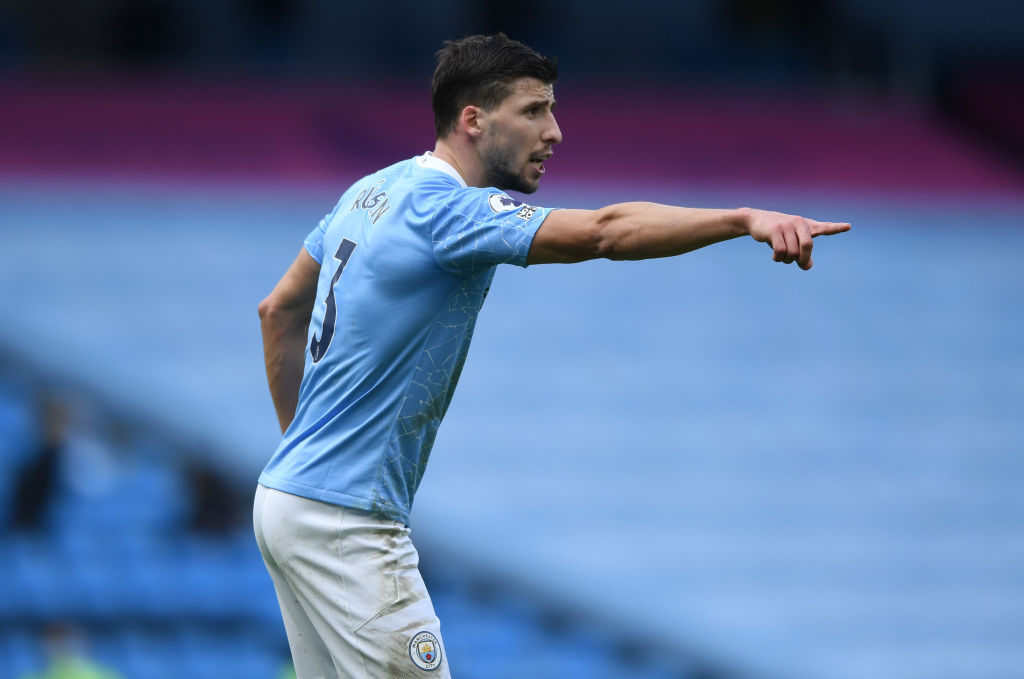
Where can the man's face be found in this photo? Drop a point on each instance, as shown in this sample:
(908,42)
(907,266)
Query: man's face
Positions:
(518,136)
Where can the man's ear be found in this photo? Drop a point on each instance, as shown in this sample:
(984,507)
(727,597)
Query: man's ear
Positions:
(470,119)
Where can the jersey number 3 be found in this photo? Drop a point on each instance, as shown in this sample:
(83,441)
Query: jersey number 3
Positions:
(318,345)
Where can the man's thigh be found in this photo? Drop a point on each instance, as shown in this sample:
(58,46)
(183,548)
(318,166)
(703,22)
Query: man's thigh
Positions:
(356,577)
(406,634)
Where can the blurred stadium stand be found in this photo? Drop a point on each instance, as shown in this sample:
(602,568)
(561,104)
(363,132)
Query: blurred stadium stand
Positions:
(862,519)
(119,557)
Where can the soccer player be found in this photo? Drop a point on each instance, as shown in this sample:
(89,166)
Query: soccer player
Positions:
(366,333)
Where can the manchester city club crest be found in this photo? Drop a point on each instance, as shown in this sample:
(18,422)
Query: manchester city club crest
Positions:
(425,651)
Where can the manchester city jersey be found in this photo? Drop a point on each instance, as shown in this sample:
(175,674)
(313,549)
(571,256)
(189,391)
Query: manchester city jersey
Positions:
(407,256)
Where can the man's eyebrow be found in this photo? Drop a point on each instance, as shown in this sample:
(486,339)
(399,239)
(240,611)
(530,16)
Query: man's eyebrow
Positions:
(540,101)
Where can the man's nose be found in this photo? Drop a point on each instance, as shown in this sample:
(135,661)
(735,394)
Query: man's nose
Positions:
(552,133)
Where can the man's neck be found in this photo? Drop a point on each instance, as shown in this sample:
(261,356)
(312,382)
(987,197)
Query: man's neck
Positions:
(462,158)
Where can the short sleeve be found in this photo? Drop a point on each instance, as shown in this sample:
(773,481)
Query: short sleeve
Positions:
(478,228)
(314,242)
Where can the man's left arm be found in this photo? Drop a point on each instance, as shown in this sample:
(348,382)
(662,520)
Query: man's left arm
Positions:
(284,322)
(649,230)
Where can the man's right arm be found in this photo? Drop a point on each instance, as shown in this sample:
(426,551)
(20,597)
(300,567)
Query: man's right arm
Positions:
(650,230)
(284,322)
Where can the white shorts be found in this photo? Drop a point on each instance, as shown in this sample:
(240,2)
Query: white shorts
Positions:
(351,595)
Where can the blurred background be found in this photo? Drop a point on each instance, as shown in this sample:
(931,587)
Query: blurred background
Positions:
(711,467)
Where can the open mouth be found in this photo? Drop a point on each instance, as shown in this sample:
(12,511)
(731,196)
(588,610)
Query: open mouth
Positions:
(538,161)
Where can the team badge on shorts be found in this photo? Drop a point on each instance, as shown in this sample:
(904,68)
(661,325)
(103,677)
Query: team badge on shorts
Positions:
(425,651)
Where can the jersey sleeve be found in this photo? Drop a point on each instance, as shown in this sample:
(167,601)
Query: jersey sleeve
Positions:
(314,242)
(477,228)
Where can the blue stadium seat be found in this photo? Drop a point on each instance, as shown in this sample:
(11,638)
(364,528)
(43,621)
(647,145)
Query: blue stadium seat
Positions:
(21,653)
(18,437)
(141,494)
(154,491)
(50,589)
(107,649)
(228,652)
(12,595)
(207,575)
(488,638)
(149,655)
(19,424)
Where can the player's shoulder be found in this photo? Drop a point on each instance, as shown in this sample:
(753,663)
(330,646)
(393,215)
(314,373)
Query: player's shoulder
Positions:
(429,184)
(391,175)
(430,174)
(432,184)
(410,175)
(380,183)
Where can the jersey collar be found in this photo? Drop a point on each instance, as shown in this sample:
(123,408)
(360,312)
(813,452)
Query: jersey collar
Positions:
(428,159)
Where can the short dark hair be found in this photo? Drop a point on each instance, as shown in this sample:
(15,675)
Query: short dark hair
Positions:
(479,71)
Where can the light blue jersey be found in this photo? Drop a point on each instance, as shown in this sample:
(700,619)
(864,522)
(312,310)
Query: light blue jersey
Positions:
(406,259)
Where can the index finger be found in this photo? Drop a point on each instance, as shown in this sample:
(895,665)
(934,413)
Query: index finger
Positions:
(828,228)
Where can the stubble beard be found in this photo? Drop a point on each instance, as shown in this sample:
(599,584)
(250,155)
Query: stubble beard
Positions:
(498,162)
